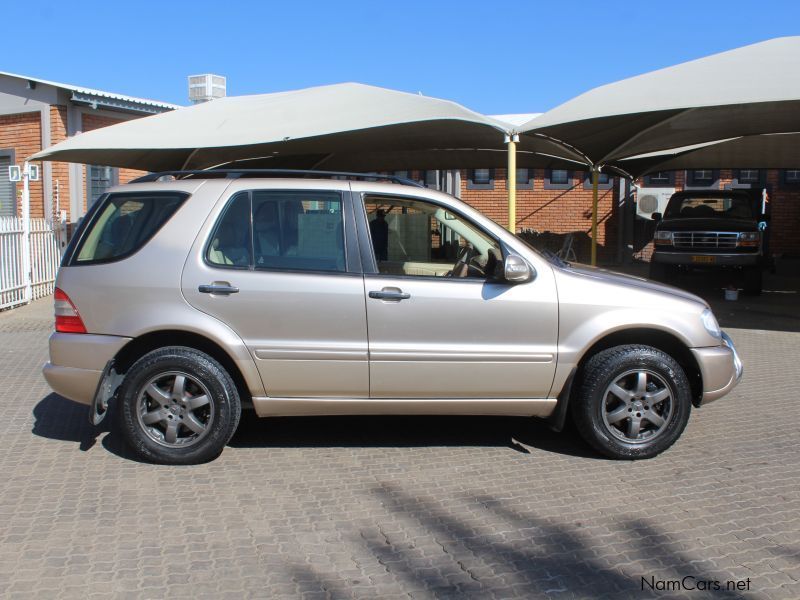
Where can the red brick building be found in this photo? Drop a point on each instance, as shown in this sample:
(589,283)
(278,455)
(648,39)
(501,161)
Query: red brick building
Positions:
(34,114)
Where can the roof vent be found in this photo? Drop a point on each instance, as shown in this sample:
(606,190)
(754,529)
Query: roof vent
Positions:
(203,88)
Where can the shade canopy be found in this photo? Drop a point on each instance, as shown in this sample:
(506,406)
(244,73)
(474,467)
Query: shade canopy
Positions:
(770,151)
(747,91)
(343,126)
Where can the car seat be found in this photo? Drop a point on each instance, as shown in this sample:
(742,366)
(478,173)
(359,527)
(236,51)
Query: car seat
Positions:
(227,247)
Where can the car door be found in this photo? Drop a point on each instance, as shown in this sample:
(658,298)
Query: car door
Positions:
(280,268)
(437,330)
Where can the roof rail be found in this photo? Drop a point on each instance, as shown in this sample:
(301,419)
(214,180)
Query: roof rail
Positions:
(239,173)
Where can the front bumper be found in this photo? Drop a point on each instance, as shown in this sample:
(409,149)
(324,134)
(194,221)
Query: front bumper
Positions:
(720,367)
(77,361)
(720,260)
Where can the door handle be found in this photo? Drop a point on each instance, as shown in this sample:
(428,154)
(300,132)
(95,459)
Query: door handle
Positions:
(389,295)
(217,288)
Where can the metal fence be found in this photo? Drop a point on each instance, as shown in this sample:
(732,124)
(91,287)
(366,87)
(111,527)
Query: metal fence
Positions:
(40,260)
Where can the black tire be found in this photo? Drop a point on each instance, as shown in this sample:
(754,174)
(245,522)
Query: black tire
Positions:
(753,281)
(593,400)
(203,378)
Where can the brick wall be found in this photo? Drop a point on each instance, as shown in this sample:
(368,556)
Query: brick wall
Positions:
(556,211)
(784,203)
(23,134)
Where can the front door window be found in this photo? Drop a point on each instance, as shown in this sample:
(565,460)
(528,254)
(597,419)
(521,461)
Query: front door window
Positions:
(417,238)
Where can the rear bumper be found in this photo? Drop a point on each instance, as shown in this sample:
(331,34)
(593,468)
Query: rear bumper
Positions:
(720,367)
(720,260)
(77,361)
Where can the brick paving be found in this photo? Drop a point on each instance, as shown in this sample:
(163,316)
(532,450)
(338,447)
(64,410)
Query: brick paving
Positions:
(400,507)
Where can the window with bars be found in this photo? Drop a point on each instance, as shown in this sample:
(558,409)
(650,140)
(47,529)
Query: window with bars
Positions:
(748,176)
(525,179)
(480,179)
(557,179)
(791,176)
(659,179)
(98,180)
(8,189)
(702,178)
(431,179)
(604,181)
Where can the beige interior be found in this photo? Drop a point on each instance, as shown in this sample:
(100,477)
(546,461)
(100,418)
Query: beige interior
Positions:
(415,268)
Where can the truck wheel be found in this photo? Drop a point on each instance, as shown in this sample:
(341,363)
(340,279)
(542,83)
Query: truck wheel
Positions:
(178,406)
(633,402)
(753,281)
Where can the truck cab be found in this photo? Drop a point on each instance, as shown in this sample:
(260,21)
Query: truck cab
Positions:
(716,229)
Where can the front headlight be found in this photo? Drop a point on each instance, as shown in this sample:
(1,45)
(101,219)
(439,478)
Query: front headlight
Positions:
(748,238)
(663,238)
(710,323)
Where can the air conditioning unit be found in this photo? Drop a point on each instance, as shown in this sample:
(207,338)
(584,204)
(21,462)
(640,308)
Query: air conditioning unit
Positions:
(651,200)
(203,88)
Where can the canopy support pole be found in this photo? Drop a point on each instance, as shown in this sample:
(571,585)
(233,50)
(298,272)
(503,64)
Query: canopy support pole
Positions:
(511,181)
(595,182)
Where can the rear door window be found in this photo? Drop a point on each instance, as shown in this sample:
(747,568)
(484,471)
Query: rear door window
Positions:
(281,230)
(123,223)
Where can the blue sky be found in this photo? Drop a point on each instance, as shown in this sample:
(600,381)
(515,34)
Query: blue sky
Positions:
(494,57)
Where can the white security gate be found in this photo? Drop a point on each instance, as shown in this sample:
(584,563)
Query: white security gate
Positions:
(43,260)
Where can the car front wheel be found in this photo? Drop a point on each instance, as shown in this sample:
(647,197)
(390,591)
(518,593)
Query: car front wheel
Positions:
(178,405)
(633,402)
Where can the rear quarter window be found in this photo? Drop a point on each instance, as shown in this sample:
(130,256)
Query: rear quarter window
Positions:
(122,224)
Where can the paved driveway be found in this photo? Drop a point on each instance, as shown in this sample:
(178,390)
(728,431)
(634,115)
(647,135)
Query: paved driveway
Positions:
(400,507)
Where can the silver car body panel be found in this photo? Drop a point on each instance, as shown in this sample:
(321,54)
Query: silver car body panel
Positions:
(306,331)
(77,362)
(310,343)
(301,407)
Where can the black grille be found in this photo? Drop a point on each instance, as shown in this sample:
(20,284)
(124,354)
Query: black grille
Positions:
(704,240)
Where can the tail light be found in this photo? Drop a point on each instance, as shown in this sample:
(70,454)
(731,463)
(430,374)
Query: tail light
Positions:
(68,320)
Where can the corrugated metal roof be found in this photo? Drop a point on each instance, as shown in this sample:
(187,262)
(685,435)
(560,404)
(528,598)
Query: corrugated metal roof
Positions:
(100,93)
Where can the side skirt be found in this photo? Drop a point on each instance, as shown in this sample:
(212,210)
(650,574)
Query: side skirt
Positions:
(296,407)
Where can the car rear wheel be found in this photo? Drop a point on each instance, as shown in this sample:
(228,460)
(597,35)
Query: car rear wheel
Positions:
(178,405)
(633,402)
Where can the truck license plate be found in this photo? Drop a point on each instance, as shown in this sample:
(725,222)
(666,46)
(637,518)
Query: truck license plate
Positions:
(703,259)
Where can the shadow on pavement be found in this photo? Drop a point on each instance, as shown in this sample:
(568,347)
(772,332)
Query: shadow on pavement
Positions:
(406,431)
(57,418)
(488,549)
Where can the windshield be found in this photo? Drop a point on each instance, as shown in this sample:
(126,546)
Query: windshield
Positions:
(705,207)
(546,253)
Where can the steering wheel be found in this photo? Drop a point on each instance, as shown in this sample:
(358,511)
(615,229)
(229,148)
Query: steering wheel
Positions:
(461,266)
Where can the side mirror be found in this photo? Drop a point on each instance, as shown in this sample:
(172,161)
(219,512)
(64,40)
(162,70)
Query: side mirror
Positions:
(656,216)
(516,270)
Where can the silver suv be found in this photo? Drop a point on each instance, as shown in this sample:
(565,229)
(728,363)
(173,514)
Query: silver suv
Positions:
(184,298)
